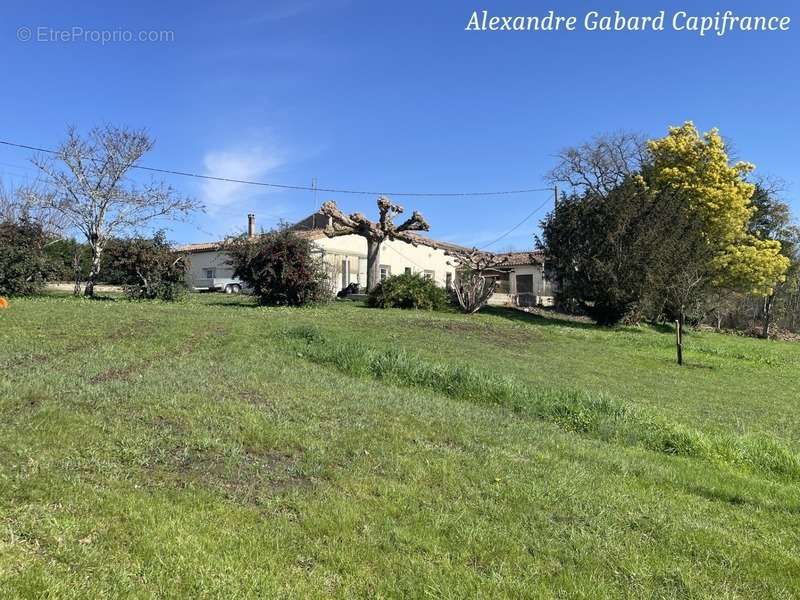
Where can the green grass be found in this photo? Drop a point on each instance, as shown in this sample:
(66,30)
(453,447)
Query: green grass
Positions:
(218,449)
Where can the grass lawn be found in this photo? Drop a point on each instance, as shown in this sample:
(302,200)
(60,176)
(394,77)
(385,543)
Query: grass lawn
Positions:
(218,449)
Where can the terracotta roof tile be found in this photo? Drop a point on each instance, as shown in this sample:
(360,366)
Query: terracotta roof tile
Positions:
(516,259)
(201,247)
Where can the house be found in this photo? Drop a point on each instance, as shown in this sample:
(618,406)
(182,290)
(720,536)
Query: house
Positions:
(523,283)
(344,257)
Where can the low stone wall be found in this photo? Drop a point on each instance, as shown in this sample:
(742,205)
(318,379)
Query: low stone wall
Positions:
(68,287)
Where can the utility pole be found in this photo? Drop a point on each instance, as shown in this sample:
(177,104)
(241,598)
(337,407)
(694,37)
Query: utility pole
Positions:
(555,196)
(316,206)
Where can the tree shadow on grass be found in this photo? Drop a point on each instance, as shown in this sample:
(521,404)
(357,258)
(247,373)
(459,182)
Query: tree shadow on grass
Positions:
(252,304)
(552,319)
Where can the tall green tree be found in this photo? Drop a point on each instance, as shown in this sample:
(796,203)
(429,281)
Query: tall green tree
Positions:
(717,193)
(629,252)
(658,240)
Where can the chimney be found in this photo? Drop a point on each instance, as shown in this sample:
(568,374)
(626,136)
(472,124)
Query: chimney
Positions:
(251,226)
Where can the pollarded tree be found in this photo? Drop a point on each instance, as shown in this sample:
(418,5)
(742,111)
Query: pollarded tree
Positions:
(95,195)
(375,233)
(473,286)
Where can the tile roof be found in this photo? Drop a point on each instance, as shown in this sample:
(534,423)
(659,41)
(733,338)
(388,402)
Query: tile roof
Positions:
(516,259)
(316,234)
(202,247)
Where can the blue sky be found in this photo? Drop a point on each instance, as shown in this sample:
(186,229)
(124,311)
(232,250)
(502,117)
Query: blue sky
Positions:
(389,96)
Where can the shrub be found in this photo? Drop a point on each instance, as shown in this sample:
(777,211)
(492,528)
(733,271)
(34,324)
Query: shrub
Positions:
(280,268)
(408,291)
(23,263)
(62,254)
(147,268)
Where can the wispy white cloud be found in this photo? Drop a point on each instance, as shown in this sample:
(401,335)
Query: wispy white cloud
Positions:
(287,9)
(253,163)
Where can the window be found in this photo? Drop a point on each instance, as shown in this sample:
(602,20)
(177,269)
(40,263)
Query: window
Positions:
(429,275)
(386,271)
(448,284)
(408,270)
(209,273)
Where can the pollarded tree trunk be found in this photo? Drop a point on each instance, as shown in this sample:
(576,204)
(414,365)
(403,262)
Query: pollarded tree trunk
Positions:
(373,263)
(375,232)
(474,289)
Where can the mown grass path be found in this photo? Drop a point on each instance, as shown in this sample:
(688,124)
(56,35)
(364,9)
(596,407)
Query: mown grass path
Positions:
(185,450)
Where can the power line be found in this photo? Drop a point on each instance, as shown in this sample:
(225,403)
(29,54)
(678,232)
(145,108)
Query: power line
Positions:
(303,187)
(520,224)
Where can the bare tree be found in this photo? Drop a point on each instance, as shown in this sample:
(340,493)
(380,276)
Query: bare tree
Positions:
(375,233)
(601,164)
(21,204)
(94,193)
(475,285)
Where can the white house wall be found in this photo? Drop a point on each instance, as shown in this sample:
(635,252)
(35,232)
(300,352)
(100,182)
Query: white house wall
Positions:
(540,287)
(396,256)
(199,262)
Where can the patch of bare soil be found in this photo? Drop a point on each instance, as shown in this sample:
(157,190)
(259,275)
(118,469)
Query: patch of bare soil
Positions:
(113,374)
(25,361)
(256,398)
(27,404)
(487,333)
(247,476)
(139,328)
(189,345)
(551,313)
(445,444)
